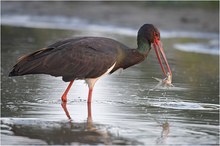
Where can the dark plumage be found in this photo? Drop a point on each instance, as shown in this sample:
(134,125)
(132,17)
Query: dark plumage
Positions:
(79,58)
(86,57)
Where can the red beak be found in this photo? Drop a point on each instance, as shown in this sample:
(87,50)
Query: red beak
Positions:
(160,52)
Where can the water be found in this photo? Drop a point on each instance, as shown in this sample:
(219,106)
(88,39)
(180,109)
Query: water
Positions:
(123,110)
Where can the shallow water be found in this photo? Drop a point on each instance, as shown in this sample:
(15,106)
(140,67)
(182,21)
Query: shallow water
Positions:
(123,110)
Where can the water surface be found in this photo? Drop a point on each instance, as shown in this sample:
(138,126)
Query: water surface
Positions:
(123,110)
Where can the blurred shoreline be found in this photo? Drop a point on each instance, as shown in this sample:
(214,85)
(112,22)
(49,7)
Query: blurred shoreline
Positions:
(126,14)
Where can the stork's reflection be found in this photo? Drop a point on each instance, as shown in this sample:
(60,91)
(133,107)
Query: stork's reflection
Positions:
(89,115)
(89,111)
(164,133)
(65,133)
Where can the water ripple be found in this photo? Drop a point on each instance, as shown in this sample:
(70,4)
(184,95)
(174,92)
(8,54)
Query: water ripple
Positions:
(185,105)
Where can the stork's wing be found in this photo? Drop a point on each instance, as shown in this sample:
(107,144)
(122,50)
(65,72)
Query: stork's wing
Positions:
(72,59)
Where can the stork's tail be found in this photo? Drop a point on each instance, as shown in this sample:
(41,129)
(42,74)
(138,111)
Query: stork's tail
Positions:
(25,67)
(28,64)
(13,73)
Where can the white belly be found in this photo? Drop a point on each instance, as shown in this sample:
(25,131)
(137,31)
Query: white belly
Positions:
(91,81)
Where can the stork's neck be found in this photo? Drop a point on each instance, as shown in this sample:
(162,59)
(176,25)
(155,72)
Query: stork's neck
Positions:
(143,46)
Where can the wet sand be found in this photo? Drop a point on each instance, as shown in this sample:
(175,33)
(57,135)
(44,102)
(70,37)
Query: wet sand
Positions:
(128,14)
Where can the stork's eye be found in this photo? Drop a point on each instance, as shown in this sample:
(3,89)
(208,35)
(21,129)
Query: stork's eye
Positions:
(156,36)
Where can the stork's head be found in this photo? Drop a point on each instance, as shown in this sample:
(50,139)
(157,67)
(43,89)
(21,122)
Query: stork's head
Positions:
(148,37)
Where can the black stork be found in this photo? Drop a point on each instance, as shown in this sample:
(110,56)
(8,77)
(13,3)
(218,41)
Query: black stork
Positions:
(89,58)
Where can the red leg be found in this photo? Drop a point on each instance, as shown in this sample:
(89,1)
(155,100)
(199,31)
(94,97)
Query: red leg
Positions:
(90,95)
(65,110)
(89,110)
(64,98)
(89,118)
